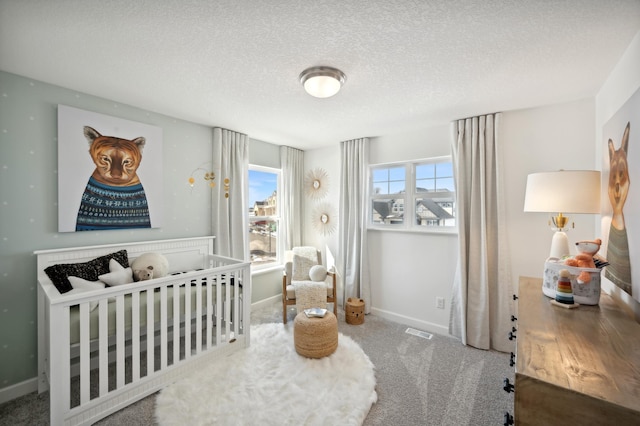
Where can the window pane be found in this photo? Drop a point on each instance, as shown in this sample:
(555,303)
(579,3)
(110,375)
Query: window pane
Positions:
(263,241)
(435,211)
(388,180)
(263,220)
(380,175)
(263,188)
(446,184)
(387,212)
(396,173)
(444,169)
(425,185)
(424,171)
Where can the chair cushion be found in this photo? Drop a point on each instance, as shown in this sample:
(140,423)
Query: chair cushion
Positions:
(291,290)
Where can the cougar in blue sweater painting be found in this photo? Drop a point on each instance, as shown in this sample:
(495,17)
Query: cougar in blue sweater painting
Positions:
(114,197)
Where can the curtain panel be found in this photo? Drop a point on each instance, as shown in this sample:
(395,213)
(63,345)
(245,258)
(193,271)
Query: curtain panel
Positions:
(291,199)
(353,255)
(229,204)
(482,289)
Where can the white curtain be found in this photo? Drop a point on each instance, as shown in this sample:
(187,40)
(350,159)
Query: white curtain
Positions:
(229,204)
(291,205)
(353,257)
(480,307)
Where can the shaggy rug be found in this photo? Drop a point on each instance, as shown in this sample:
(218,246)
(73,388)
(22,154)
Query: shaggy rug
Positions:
(270,384)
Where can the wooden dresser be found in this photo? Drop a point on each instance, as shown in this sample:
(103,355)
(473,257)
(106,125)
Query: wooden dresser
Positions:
(575,366)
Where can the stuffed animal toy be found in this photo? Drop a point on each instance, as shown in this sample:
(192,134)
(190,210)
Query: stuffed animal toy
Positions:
(143,274)
(149,265)
(584,258)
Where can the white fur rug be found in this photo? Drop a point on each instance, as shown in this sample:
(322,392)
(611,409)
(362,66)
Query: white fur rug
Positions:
(270,384)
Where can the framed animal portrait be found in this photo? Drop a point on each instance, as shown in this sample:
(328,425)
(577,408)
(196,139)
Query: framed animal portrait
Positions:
(109,172)
(621,197)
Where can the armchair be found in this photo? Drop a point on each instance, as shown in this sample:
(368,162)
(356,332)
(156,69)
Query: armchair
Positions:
(299,264)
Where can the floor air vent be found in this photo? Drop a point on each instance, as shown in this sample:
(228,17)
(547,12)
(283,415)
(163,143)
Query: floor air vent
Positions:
(419,333)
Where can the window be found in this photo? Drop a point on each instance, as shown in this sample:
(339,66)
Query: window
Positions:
(416,195)
(263,215)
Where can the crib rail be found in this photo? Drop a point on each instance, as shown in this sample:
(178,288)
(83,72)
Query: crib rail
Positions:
(160,329)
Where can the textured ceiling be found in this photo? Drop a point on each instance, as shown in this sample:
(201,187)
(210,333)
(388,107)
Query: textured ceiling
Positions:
(235,63)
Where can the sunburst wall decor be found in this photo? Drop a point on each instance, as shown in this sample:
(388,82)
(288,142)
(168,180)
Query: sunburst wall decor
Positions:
(316,183)
(324,219)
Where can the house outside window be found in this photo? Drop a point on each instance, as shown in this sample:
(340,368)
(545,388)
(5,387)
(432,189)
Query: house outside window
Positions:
(418,195)
(263,216)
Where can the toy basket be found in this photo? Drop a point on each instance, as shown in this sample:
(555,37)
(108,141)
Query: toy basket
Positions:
(584,294)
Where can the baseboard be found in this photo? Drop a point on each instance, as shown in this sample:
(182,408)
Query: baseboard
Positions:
(18,390)
(413,322)
(264,302)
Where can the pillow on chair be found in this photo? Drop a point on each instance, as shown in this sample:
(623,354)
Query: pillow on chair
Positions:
(301,267)
(318,273)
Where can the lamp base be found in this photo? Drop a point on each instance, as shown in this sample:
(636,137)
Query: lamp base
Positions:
(559,245)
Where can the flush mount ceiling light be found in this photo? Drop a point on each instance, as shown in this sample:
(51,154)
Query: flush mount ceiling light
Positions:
(322,82)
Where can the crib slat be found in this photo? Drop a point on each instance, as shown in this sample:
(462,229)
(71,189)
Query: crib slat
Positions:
(227,306)
(200,289)
(218,309)
(84,353)
(236,300)
(135,336)
(60,399)
(150,333)
(209,308)
(103,346)
(163,328)
(120,348)
(187,319)
(176,324)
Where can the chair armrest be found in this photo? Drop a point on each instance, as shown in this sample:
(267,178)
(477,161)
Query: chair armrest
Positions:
(286,275)
(332,274)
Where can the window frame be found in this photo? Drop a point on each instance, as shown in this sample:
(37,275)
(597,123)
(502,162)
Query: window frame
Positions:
(409,198)
(274,218)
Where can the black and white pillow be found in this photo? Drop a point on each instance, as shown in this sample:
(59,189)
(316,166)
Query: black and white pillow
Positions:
(89,271)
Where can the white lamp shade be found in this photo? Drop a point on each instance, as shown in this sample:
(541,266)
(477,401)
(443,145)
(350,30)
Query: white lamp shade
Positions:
(564,191)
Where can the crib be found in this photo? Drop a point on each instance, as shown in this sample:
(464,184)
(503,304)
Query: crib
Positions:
(101,350)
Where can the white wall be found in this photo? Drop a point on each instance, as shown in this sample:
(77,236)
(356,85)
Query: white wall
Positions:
(623,82)
(410,269)
(537,140)
(327,159)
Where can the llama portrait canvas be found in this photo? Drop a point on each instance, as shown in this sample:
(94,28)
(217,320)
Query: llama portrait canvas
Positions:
(621,197)
(109,172)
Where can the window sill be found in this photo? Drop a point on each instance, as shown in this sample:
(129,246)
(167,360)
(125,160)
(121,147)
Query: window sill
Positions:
(267,269)
(447,231)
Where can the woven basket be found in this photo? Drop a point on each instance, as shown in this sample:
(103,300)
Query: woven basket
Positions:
(315,337)
(354,312)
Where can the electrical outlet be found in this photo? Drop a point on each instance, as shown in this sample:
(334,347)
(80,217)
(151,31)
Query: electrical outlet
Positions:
(440,302)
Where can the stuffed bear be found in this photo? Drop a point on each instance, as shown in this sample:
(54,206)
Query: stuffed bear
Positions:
(143,274)
(584,258)
(149,265)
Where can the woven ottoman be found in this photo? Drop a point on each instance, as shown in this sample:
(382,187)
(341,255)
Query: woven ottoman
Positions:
(315,337)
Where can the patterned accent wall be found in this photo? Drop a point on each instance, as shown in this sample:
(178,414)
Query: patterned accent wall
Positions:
(29,196)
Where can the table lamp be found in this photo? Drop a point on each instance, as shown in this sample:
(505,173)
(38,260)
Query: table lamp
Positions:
(564,191)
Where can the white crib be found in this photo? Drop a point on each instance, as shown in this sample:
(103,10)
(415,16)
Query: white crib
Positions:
(140,336)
